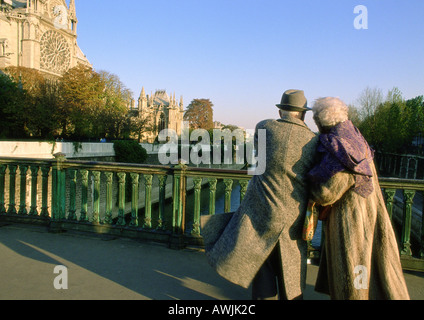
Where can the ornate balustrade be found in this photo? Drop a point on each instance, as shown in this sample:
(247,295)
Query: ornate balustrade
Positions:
(71,195)
(91,197)
(402,213)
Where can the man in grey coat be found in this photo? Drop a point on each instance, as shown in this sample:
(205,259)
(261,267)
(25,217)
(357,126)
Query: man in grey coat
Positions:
(262,241)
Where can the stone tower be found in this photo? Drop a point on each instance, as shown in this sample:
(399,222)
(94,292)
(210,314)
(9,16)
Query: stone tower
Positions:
(162,110)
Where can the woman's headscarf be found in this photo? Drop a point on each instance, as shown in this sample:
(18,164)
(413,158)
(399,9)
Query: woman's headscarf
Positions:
(344,148)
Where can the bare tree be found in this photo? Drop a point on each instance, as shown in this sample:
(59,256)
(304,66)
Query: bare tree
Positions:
(368,101)
(354,115)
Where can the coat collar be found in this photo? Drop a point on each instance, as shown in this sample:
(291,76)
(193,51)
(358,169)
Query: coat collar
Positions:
(293,120)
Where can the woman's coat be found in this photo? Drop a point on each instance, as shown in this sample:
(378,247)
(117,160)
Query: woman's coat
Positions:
(360,257)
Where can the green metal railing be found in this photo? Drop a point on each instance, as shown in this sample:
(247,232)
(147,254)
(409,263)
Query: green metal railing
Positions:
(408,189)
(66,195)
(65,186)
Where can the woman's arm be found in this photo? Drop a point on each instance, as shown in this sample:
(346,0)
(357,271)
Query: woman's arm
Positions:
(329,192)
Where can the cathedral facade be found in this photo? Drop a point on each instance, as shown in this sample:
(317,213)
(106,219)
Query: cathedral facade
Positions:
(39,34)
(42,35)
(160,111)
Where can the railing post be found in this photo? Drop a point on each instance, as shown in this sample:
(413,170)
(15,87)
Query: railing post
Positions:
(72,194)
(23,169)
(61,186)
(178,206)
(162,194)
(34,179)
(134,199)
(228,189)
(148,201)
(212,194)
(196,218)
(45,170)
(179,198)
(2,188)
(389,195)
(96,197)
(54,204)
(421,253)
(121,200)
(84,195)
(406,225)
(58,193)
(243,188)
(12,189)
(109,203)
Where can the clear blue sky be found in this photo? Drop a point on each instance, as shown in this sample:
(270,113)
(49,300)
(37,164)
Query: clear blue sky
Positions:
(243,54)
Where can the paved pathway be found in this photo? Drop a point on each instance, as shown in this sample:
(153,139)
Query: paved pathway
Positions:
(118,269)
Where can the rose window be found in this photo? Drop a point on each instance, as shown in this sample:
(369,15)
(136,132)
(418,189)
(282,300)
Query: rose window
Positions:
(55,52)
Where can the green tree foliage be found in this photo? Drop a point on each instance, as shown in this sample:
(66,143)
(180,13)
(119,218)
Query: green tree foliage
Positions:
(129,151)
(114,108)
(391,125)
(83,104)
(36,112)
(12,99)
(415,110)
(81,92)
(199,114)
(102,100)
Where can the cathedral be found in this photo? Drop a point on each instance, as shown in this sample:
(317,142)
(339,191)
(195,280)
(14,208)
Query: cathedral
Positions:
(42,35)
(39,34)
(161,111)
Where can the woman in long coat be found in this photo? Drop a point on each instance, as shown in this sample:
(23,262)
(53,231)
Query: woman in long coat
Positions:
(360,256)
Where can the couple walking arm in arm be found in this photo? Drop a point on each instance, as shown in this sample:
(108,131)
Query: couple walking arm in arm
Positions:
(261,243)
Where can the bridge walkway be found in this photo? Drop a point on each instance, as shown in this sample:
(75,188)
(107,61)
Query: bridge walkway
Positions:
(107,268)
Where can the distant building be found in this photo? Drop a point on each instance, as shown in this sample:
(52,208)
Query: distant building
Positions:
(162,110)
(39,34)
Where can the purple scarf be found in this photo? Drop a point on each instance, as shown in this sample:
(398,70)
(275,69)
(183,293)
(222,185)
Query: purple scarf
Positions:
(344,148)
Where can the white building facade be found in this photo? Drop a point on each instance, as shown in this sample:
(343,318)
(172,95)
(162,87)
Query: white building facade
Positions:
(39,34)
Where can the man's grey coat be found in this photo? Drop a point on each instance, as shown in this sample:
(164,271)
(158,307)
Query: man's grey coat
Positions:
(272,211)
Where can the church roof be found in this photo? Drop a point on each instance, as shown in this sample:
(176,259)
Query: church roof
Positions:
(158,99)
(161,98)
(17,3)
(80,55)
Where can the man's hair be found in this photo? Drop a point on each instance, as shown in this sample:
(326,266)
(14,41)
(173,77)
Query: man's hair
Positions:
(330,111)
(295,114)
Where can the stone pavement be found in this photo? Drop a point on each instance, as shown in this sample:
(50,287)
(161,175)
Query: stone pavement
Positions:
(118,269)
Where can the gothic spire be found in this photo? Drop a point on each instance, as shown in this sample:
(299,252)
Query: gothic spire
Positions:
(72,12)
(181,103)
(143,93)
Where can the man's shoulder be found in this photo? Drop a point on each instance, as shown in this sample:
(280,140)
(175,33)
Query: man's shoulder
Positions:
(264,123)
(277,123)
